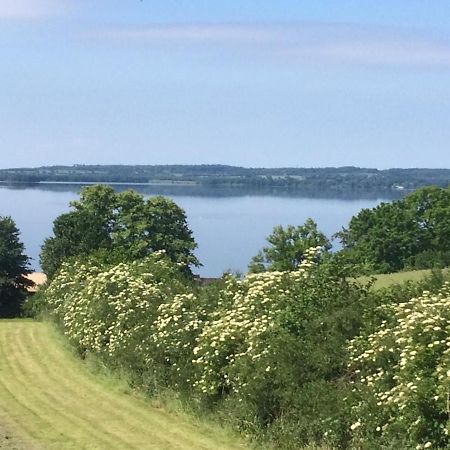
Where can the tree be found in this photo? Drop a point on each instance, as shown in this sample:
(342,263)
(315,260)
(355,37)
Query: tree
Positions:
(76,233)
(13,268)
(410,233)
(287,247)
(124,225)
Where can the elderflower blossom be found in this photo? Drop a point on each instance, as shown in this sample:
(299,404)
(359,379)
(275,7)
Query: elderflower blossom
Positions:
(406,362)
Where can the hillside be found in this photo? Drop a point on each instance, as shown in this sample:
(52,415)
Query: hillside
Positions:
(48,399)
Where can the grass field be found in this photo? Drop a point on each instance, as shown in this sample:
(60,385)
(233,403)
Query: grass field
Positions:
(385,280)
(50,400)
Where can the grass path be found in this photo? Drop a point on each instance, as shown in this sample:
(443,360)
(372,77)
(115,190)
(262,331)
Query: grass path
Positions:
(50,400)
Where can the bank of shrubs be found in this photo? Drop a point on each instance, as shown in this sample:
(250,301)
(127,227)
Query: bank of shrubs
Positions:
(402,373)
(288,357)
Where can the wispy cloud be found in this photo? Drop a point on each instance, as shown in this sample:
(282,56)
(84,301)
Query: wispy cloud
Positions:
(30,9)
(306,43)
(190,33)
(375,51)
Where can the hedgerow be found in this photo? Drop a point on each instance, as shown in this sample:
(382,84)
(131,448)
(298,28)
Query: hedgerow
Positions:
(291,357)
(110,311)
(402,374)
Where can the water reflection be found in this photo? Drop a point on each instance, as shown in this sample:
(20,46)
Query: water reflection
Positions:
(198,190)
(229,224)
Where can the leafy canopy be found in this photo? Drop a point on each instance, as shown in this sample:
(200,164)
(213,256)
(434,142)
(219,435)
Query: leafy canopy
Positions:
(410,233)
(13,268)
(401,373)
(122,227)
(288,247)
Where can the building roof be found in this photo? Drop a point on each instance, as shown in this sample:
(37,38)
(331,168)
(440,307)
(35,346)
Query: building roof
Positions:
(38,278)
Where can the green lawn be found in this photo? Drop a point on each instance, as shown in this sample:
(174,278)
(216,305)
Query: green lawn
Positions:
(50,400)
(385,280)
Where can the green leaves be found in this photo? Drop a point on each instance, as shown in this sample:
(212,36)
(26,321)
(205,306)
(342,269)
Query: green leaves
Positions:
(124,224)
(403,372)
(288,246)
(409,233)
(258,340)
(13,268)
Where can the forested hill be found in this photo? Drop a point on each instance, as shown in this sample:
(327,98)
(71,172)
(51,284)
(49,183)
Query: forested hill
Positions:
(331,178)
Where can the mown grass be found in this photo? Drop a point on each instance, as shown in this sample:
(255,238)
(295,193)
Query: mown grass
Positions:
(389,279)
(54,401)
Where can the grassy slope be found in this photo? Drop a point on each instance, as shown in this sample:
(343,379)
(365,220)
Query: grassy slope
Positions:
(50,398)
(385,280)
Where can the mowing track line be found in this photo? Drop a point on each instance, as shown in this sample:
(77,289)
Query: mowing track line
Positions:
(49,397)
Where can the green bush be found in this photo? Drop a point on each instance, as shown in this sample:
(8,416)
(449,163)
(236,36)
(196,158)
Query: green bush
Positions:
(109,311)
(268,353)
(402,374)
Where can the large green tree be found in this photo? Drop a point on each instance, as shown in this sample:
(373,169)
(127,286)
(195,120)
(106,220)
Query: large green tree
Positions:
(287,247)
(123,226)
(410,233)
(13,268)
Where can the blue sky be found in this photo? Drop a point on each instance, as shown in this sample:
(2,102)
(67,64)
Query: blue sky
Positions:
(253,83)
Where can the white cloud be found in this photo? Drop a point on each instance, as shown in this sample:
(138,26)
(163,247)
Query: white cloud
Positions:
(370,46)
(306,43)
(395,53)
(30,9)
(190,33)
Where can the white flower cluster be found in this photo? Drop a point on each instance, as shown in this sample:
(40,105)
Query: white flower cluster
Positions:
(123,313)
(239,331)
(175,329)
(405,365)
(108,312)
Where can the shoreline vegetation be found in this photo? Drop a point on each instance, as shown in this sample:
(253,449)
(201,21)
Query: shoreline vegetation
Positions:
(336,179)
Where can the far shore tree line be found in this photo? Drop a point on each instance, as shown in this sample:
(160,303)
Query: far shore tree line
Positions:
(411,233)
(331,179)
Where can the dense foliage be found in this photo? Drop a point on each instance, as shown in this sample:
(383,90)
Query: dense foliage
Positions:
(13,268)
(410,233)
(288,246)
(124,225)
(291,357)
(263,351)
(402,374)
(109,310)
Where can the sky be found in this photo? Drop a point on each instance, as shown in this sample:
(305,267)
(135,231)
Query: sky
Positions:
(259,83)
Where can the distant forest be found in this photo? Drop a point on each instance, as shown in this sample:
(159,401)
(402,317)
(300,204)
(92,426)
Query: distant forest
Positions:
(330,179)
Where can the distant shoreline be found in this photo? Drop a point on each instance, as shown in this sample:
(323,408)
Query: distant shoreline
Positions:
(112,183)
(290,179)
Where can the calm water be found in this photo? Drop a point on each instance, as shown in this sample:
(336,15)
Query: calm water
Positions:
(229,225)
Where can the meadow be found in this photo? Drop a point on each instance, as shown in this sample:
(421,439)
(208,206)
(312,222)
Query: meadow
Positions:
(50,399)
(388,279)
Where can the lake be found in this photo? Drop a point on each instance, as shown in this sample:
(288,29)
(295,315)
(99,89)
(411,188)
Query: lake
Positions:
(229,224)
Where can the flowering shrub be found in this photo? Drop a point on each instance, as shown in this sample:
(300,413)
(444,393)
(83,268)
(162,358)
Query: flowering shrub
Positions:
(267,351)
(110,311)
(402,374)
(273,349)
(176,326)
(239,332)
